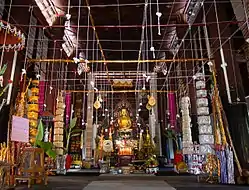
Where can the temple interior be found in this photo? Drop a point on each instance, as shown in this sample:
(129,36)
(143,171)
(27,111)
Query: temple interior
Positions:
(124,88)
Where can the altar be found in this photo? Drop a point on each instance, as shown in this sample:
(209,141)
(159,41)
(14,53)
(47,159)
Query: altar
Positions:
(127,140)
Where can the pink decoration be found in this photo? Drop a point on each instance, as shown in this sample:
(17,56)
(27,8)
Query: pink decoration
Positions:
(68,107)
(41,96)
(20,129)
(172,109)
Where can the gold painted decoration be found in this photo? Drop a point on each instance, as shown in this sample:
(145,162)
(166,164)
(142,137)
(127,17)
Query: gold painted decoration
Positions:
(151,101)
(34,99)
(33,108)
(33,123)
(35,91)
(33,115)
(122,82)
(59,125)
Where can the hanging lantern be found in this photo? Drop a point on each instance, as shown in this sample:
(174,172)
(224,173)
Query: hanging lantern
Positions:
(206,137)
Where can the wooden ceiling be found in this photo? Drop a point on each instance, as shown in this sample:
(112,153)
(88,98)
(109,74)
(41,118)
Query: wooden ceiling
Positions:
(123,43)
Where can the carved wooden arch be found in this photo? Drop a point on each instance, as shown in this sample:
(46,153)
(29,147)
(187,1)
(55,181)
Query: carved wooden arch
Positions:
(123,104)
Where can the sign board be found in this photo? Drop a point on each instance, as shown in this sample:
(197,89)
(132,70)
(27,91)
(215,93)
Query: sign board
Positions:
(20,129)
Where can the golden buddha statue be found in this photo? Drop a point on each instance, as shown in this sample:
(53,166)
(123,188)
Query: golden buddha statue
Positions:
(124,120)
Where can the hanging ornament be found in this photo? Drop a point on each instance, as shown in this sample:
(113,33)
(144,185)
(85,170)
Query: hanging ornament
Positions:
(159,14)
(148,107)
(23,73)
(151,101)
(107,146)
(1,80)
(80,68)
(97,104)
(152,49)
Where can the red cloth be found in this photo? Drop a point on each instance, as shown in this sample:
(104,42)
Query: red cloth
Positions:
(178,158)
(68,162)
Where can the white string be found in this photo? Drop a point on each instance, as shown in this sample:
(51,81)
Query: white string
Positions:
(78,30)
(5,36)
(234,72)
(152,48)
(51,74)
(142,38)
(28,39)
(120,33)
(87,33)
(200,44)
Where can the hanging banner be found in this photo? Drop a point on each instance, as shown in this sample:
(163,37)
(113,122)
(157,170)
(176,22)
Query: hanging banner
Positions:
(20,129)
(2,4)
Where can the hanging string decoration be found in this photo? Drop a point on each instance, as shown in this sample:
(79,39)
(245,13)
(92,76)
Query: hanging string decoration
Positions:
(206,137)
(33,110)
(172,109)
(83,64)
(10,44)
(187,142)
(59,125)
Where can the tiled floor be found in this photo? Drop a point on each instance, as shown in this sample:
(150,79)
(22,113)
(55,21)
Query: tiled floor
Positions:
(129,183)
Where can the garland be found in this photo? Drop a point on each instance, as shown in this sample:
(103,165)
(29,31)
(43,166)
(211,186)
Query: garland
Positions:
(13,31)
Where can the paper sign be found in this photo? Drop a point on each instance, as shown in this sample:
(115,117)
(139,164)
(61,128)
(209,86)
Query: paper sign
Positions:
(20,129)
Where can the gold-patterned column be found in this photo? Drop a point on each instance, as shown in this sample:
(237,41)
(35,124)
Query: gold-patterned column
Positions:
(89,126)
(59,125)
(33,110)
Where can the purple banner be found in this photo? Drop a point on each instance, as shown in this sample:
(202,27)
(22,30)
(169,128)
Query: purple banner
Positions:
(172,109)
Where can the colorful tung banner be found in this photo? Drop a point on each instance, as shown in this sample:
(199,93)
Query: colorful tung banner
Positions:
(68,106)
(41,96)
(172,109)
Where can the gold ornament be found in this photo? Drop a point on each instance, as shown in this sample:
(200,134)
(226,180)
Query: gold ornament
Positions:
(148,107)
(97,104)
(151,101)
